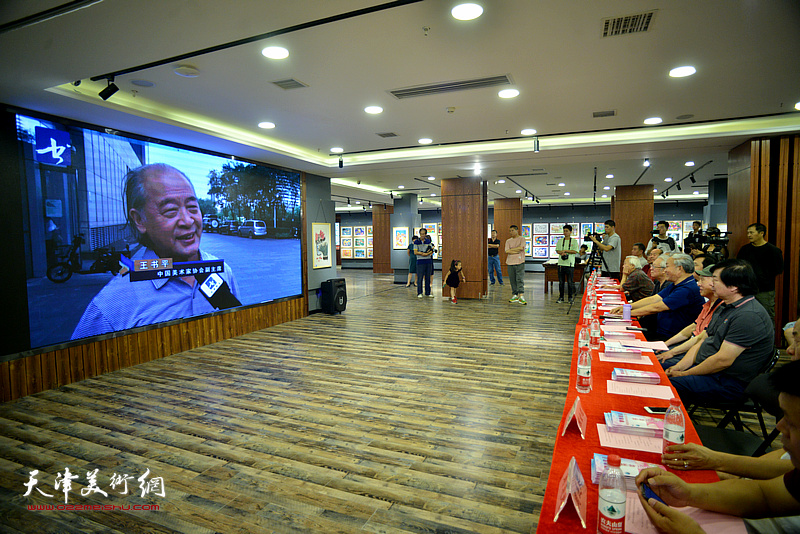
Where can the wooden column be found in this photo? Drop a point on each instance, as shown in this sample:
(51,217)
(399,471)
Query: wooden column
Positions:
(464,216)
(507,211)
(632,210)
(381,238)
(764,186)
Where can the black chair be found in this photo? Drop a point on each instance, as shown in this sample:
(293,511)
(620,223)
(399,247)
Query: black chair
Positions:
(738,442)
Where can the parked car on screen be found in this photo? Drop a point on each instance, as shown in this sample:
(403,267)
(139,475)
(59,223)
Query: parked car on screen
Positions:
(253,228)
(233,228)
(225,226)
(211,223)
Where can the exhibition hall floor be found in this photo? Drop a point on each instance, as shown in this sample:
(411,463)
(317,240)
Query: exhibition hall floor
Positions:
(399,415)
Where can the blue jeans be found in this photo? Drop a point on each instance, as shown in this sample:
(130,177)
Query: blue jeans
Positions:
(494,267)
(424,272)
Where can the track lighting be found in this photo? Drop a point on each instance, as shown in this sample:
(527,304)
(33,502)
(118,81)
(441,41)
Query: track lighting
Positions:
(679,186)
(646,162)
(691,178)
(536,144)
(341,162)
(109,90)
(348,202)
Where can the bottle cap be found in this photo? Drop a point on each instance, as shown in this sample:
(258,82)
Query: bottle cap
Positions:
(613,460)
(675,401)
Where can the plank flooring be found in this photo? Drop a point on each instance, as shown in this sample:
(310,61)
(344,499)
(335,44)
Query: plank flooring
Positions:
(401,415)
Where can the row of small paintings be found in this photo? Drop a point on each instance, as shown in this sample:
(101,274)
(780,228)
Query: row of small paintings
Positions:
(356,231)
(357,253)
(358,242)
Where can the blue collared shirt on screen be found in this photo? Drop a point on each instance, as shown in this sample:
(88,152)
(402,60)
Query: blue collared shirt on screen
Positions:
(684,303)
(123,304)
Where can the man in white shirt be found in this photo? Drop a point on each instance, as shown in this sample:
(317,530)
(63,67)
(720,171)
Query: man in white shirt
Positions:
(567,249)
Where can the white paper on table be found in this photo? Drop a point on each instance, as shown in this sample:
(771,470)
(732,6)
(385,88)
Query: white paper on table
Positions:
(630,442)
(616,328)
(639,344)
(637,360)
(637,522)
(639,390)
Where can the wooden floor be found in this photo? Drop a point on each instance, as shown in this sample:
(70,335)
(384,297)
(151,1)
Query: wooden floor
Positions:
(400,415)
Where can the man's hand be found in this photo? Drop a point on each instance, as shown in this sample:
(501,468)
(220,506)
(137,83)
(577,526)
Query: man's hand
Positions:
(673,490)
(664,356)
(665,519)
(616,311)
(689,456)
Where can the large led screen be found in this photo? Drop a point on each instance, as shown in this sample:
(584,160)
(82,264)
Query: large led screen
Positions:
(122,233)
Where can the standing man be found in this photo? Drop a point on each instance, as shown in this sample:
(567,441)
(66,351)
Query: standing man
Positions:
(693,237)
(515,261)
(638,251)
(767,262)
(611,248)
(567,252)
(494,258)
(662,240)
(423,249)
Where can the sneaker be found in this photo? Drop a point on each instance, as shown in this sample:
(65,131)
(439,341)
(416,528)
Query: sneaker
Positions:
(502,284)
(419,295)
(431,295)
(453,300)
(522,300)
(493,283)
(515,298)
(560,300)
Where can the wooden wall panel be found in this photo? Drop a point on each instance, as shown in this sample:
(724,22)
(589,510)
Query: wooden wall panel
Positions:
(40,372)
(507,211)
(633,213)
(464,237)
(382,238)
(739,178)
(791,279)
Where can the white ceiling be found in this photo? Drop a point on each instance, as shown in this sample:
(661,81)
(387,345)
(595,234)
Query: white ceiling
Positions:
(745,53)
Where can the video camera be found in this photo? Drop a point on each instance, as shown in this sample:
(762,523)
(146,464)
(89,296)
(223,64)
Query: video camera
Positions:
(714,238)
(588,237)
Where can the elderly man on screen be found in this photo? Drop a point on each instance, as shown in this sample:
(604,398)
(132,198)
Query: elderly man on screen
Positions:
(677,305)
(770,497)
(738,344)
(634,283)
(164,216)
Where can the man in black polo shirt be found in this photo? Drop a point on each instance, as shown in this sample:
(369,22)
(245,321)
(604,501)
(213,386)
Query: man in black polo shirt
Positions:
(775,498)
(494,258)
(767,262)
(738,346)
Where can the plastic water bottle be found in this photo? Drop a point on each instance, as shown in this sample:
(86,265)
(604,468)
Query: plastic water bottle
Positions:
(584,382)
(583,338)
(611,499)
(626,312)
(587,314)
(674,425)
(594,334)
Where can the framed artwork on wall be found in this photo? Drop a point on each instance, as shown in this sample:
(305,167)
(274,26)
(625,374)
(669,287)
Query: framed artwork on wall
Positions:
(539,252)
(369,230)
(369,241)
(399,237)
(553,253)
(360,242)
(360,252)
(600,228)
(369,253)
(347,231)
(359,231)
(336,234)
(527,248)
(347,253)
(322,245)
(554,239)
(430,228)
(587,228)
(526,231)
(540,228)
(347,242)
(541,240)
(556,228)
(687,226)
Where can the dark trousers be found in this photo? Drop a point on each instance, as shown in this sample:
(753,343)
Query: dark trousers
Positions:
(566,276)
(424,272)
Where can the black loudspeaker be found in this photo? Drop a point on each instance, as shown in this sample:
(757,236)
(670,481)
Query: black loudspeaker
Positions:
(334,295)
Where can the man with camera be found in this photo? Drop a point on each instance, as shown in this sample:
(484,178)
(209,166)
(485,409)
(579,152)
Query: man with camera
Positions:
(611,249)
(767,262)
(661,239)
(566,249)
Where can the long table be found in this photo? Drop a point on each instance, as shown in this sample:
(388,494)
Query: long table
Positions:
(595,404)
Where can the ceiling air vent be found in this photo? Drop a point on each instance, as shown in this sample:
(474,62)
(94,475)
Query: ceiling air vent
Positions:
(610,113)
(387,134)
(637,23)
(451,87)
(290,83)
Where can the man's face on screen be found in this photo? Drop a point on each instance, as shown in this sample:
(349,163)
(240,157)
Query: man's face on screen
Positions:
(171,217)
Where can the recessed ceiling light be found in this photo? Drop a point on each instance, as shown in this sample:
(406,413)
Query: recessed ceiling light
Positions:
(797,106)
(358,202)
(425,141)
(431,177)
(467,11)
(667,179)
(561,184)
(603,196)
(501,181)
(609,175)
(508,93)
(401,187)
(519,190)
(373,110)
(566,194)
(653,120)
(266,125)
(695,192)
(143,83)
(187,71)
(655,190)
(606,188)
(528,131)
(681,72)
(275,52)
(337,150)
(433,194)
(689,163)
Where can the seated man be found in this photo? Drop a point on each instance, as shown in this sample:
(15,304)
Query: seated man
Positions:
(738,345)
(775,497)
(651,257)
(634,283)
(677,305)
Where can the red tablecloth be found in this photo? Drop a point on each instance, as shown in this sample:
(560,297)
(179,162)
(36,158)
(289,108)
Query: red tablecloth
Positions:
(595,404)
